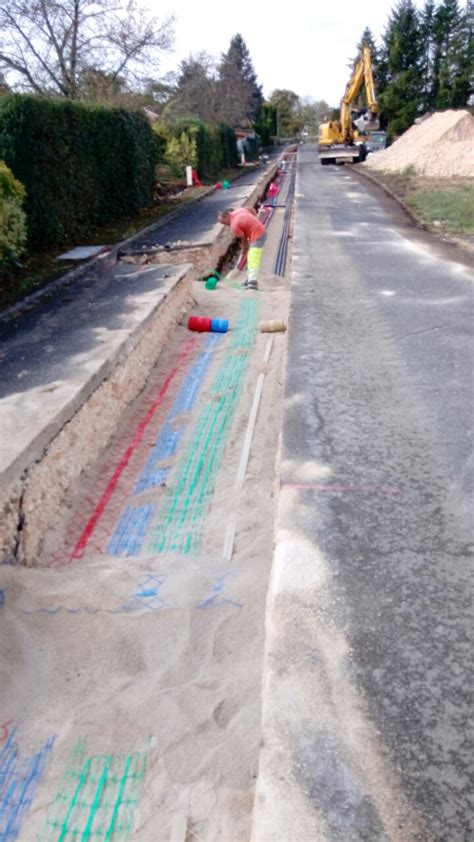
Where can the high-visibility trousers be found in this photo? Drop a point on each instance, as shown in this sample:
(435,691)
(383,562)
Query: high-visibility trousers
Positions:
(254,258)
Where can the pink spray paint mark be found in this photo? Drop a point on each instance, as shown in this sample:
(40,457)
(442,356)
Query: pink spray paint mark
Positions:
(4,730)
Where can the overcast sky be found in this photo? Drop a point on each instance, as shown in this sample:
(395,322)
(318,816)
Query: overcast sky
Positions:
(305,49)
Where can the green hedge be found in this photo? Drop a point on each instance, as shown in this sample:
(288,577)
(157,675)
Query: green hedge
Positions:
(82,165)
(12,218)
(216,145)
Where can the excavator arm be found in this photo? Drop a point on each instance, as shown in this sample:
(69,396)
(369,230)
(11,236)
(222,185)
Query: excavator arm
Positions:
(341,132)
(362,74)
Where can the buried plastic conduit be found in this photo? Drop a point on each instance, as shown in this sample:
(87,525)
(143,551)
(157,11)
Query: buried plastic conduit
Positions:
(280,262)
(244,458)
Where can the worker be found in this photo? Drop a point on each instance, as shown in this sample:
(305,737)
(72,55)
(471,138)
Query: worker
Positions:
(245,224)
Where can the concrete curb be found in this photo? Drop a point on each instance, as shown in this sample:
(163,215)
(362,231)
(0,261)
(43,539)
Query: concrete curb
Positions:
(417,220)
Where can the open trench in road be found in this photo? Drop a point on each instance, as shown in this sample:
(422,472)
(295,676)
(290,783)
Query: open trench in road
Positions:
(134,640)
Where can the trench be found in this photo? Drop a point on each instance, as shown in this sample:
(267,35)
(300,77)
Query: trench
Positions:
(48,483)
(142,641)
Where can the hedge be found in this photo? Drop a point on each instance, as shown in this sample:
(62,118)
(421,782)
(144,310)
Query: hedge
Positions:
(216,145)
(82,165)
(12,218)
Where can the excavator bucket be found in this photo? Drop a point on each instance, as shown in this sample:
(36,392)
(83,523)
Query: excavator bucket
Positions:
(367,122)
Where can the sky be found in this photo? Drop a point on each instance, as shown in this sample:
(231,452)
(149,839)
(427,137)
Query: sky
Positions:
(305,48)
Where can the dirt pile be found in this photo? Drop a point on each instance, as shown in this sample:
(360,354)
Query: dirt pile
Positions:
(442,145)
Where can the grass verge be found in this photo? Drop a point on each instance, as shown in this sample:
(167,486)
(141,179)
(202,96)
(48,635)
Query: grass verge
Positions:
(445,205)
(451,208)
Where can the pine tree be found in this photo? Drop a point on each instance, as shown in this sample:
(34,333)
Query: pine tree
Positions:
(429,51)
(402,58)
(366,40)
(195,90)
(453,64)
(239,97)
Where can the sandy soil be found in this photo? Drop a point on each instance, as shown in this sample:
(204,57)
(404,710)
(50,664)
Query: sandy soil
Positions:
(152,657)
(441,145)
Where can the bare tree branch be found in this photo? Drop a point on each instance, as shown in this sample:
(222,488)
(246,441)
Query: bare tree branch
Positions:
(49,44)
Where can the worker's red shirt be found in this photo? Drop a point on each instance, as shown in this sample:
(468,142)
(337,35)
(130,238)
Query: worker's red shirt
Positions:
(245,224)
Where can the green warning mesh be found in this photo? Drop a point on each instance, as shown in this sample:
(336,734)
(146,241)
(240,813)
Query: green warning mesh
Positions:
(97,797)
(180,520)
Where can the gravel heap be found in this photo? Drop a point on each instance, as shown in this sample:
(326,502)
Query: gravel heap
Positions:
(442,145)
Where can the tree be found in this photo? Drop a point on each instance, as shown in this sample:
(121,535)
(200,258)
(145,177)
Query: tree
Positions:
(401,97)
(266,126)
(288,106)
(181,152)
(429,73)
(453,56)
(366,40)
(238,96)
(195,91)
(13,230)
(45,45)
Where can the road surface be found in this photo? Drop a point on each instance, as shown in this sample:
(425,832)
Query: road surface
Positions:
(369,652)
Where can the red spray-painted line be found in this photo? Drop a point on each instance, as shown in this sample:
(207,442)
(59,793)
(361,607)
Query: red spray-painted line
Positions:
(4,728)
(101,506)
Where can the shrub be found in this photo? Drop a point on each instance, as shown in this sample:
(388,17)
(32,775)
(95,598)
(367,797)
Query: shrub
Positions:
(180,153)
(12,217)
(82,165)
(216,145)
(161,136)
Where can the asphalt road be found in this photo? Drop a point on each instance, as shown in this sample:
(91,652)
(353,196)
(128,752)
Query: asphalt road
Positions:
(377,446)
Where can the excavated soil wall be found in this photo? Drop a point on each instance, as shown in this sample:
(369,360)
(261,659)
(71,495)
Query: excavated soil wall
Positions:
(32,503)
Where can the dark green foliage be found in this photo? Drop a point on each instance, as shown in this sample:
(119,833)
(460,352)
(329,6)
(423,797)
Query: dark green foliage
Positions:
(426,61)
(288,106)
(230,156)
(12,218)
(453,56)
(216,145)
(82,166)
(429,69)
(267,124)
(238,96)
(401,97)
(366,40)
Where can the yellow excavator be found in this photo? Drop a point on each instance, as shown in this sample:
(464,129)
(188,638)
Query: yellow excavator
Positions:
(342,140)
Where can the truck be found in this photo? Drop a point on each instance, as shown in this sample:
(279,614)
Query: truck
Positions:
(342,141)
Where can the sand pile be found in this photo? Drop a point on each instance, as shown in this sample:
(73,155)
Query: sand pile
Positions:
(442,145)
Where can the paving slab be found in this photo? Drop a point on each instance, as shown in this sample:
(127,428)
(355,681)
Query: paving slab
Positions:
(81,253)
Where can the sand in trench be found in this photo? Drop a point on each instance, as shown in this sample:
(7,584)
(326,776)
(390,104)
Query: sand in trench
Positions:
(153,659)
